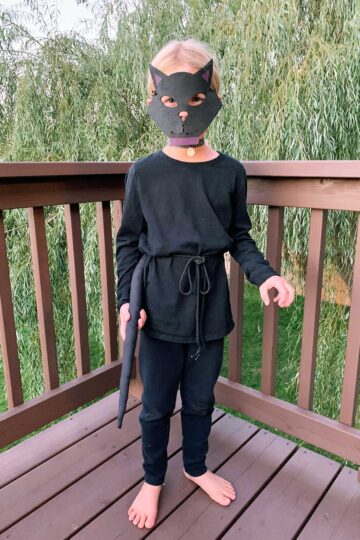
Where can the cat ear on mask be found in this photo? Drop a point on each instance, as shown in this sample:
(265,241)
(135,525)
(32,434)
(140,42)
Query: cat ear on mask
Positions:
(206,71)
(156,75)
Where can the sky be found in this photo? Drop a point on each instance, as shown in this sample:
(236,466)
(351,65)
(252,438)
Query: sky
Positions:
(70,16)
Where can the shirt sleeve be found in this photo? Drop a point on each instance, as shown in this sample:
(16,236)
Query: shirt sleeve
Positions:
(244,250)
(127,238)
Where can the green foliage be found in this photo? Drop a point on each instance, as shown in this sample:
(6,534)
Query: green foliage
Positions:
(290,86)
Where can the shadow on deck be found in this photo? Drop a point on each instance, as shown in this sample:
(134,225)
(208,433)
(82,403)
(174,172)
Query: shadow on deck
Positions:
(78,478)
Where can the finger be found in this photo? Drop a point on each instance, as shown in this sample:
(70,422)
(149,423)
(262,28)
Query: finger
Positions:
(123,331)
(291,292)
(123,322)
(142,319)
(282,298)
(289,295)
(282,295)
(125,317)
(287,300)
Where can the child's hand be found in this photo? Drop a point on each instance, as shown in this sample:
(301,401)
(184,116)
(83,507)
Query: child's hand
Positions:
(286,291)
(125,316)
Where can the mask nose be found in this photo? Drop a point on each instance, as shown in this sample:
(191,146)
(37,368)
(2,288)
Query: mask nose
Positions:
(183,115)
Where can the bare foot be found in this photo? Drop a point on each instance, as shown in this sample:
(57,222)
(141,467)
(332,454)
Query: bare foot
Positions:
(219,489)
(144,508)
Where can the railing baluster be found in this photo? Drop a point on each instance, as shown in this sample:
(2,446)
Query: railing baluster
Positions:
(9,348)
(43,296)
(107,279)
(117,215)
(270,331)
(314,276)
(136,386)
(352,356)
(77,287)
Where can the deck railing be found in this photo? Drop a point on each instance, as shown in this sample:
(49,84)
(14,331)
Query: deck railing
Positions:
(318,185)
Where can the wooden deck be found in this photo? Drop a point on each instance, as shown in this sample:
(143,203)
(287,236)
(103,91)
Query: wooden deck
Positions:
(78,478)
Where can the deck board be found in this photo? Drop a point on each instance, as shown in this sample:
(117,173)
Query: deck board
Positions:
(31,452)
(284,504)
(248,469)
(227,435)
(338,515)
(79,483)
(62,473)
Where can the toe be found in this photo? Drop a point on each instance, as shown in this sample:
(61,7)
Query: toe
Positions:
(142,521)
(137,518)
(150,522)
(225,500)
(230,492)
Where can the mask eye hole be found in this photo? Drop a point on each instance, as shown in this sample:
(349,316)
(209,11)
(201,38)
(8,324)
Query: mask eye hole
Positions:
(168,101)
(197,99)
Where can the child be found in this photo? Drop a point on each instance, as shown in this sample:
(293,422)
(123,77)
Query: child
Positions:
(184,207)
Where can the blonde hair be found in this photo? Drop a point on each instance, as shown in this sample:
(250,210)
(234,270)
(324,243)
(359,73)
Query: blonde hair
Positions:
(189,51)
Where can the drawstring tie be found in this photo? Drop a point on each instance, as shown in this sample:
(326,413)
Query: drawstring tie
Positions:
(201,275)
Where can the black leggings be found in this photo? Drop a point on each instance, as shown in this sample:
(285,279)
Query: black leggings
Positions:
(163,366)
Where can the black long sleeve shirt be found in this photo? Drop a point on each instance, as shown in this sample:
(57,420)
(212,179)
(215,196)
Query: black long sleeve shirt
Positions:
(173,208)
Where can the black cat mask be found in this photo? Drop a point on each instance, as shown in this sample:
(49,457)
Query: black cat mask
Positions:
(182,86)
